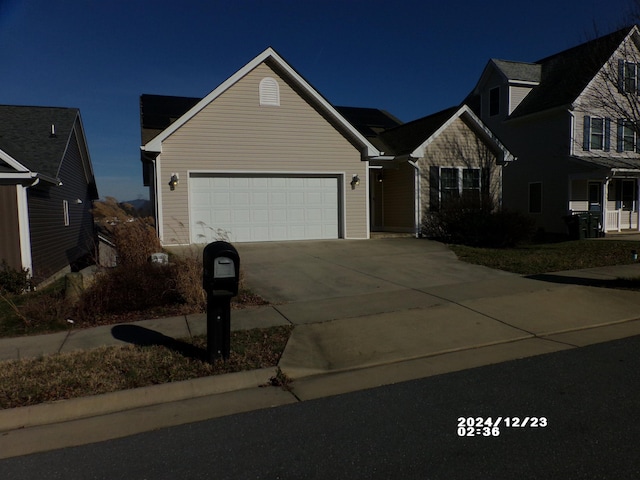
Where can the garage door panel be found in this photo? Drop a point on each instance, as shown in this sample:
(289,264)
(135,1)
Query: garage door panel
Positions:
(259,208)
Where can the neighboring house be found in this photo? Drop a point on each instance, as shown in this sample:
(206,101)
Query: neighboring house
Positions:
(46,190)
(265,156)
(570,120)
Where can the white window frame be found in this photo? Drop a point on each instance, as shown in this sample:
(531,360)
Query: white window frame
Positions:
(460,181)
(628,126)
(597,135)
(630,78)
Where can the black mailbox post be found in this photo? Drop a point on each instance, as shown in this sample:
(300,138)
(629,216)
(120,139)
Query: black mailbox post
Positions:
(220,280)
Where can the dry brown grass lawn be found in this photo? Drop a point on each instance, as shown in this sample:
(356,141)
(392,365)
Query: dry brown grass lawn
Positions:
(109,369)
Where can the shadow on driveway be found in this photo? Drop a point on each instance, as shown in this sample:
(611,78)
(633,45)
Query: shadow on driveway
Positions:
(624,283)
(144,337)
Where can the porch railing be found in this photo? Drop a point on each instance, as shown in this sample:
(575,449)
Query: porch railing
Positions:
(613,220)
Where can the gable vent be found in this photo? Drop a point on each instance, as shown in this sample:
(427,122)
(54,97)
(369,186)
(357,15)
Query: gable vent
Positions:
(269,92)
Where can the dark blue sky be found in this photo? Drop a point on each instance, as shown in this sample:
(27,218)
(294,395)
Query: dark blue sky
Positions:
(411,57)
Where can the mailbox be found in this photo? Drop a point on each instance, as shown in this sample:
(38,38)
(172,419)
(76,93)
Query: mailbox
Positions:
(221,264)
(221,275)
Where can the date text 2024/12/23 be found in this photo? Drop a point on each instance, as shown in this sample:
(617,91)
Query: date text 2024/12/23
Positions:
(491,427)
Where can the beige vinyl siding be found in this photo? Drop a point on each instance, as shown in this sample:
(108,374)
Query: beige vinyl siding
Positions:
(516,95)
(579,195)
(459,146)
(399,198)
(235,134)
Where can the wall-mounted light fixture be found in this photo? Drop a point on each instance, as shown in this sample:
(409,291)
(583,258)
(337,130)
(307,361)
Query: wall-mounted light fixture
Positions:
(355,180)
(78,201)
(174,181)
(379,177)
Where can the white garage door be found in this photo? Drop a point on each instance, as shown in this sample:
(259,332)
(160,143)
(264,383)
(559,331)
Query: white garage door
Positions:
(261,208)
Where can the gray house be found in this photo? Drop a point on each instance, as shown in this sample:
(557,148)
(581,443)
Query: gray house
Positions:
(571,119)
(47,187)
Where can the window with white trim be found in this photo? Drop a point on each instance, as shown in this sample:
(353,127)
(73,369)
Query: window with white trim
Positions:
(597,133)
(269,92)
(460,183)
(628,79)
(627,141)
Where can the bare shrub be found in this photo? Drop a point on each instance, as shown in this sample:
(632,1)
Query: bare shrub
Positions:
(188,280)
(480,227)
(134,237)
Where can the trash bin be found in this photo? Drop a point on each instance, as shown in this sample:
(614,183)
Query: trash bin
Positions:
(593,225)
(577,226)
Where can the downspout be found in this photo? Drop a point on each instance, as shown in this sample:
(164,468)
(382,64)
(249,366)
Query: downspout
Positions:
(417,202)
(23,225)
(158,199)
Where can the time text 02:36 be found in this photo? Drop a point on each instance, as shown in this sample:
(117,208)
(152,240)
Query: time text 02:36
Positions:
(491,427)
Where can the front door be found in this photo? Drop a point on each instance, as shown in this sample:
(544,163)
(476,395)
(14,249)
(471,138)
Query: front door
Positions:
(595,197)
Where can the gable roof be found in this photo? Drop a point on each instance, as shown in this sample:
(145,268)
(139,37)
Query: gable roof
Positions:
(26,138)
(518,71)
(369,121)
(268,56)
(565,75)
(405,139)
(414,137)
(157,112)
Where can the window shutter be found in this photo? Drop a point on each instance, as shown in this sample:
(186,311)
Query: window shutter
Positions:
(621,76)
(434,189)
(586,133)
(620,145)
(637,68)
(607,134)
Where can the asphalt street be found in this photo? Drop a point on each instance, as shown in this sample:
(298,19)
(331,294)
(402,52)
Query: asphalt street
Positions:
(582,405)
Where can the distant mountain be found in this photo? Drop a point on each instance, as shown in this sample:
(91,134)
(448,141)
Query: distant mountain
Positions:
(141,206)
(139,203)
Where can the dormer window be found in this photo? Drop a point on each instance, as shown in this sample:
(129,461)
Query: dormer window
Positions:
(494,101)
(269,92)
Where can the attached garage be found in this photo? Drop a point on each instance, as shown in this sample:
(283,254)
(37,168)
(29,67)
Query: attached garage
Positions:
(263,207)
(263,157)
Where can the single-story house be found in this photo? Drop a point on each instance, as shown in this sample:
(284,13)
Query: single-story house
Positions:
(265,156)
(47,187)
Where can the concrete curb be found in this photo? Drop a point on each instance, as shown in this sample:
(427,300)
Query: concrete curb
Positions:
(103,404)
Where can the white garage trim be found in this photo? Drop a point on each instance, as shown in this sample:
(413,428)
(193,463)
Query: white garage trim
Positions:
(265,206)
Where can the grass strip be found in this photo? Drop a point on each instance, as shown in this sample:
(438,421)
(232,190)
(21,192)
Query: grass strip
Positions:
(109,369)
(551,257)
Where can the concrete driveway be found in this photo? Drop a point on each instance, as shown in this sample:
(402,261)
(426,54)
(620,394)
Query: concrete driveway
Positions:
(316,281)
(313,270)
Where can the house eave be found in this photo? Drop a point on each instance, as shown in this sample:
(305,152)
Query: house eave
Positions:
(368,149)
(477,125)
